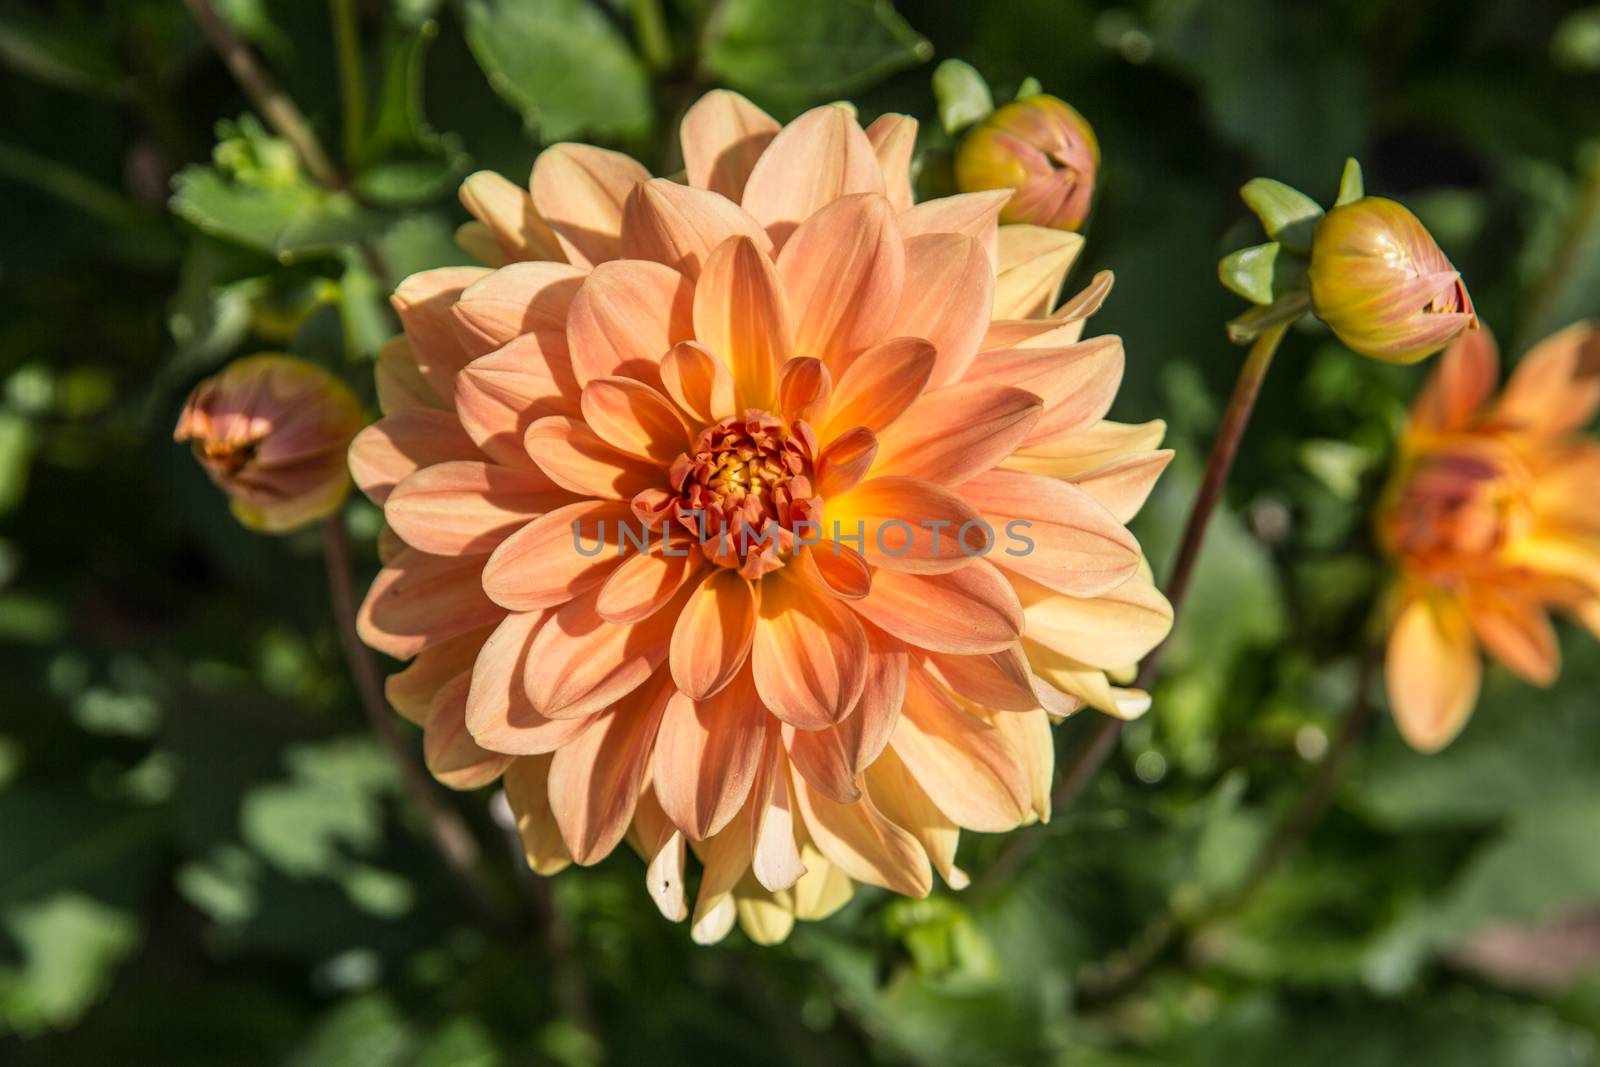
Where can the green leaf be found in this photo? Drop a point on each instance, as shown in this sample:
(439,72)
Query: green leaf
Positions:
(1351,187)
(1286,213)
(806,52)
(1243,329)
(564,65)
(963,95)
(1030,87)
(1249,271)
(71,944)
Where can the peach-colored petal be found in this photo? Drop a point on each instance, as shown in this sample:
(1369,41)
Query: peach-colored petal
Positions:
(863,843)
(843,273)
(498,713)
(577,460)
(845,461)
(724,859)
(1064,326)
(527,785)
(826,760)
(1033,262)
(1123,485)
(396,447)
(401,385)
(1465,378)
(411,691)
(634,418)
(579,190)
(905,803)
(518,299)
(679,225)
(1053,532)
(906,524)
(579,663)
(894,138)
(645,582)
(419,601)
(804,389)
(712,638)
(810,655)
(708,755)
(967,612)
(506,211)
(949,435)
(1108,631)
(812,162)
(1515,630)
(1563,491)
(967,767)
(1028,737)
(1556,386)
(832,758)
(824,888)
(662,846)
(595,779)
(1077,383)
(500,394)
(997,679)
(741,315)
(475,239)
(1079,453)
(949,288)
(879,386)
(557,556)
(698,382)
(975,215)
(449,751)
(625,317)
(1433,672)
(774,852)
(722,136)
(835,570)
(466,506)
(423,302)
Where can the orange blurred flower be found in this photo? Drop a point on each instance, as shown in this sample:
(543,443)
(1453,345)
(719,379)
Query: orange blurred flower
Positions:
(1493,518)
(1041,147)
(783,347)
(272,431)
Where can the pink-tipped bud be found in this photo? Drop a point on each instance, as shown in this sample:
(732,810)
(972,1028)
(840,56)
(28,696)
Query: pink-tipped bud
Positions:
(272,431)
(1041,147)
(1382,285)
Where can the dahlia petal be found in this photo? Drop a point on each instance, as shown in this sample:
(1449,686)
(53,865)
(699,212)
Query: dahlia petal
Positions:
(1090,449)
(708,755)
(906,524)
(424,301)
(518,299)
(1556,386)
(826,760)
(966,766)
(678,225)
(451,755)
(401,385)
(1515,630)
(698,382)
(1563,491)
(712,638)
(724,859)
(845,461)
(625,317)
(966,612)
(579,190)
(863,843)
(843,273)
(1033,262)
(774,852)
(506,211)
(1433,672)
(1107,631)
(951,434)
(644,583)
(740,314)
(879,386)
(823,889)
(499,395)
(419,601)
(975,215)
(1465,379)
(1060,679)
(466,506)
(527,786)
(1075,546)
(996,680)
(634,418)
(722,136)
(894,138)
(1123,485)
(810,655)
(664,851)
(949,289)
(498,713)
(804,389)
(766,918)
(389,546)
(475,239)
(905,803)
(557,556)
(1077,383)
(596,778)
(397,446)
(411,691)
(579,663)
(577,460)
(1028,737)
(812,162)
(836,570)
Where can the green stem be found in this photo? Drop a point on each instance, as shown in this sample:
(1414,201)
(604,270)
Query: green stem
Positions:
(352,80)
(650,30)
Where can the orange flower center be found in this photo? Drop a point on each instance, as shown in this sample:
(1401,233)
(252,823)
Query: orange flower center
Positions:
(1457,507)
(745,490)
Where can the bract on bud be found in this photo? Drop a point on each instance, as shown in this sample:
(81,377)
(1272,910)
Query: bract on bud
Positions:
(271,431)
(1041,147)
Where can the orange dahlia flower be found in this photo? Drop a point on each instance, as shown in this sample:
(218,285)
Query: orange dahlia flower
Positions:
(1493,518)
(695,497)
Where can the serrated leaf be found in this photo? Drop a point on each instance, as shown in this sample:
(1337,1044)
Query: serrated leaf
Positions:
(962,94)
(564,65)
(813,51)
(1286,213)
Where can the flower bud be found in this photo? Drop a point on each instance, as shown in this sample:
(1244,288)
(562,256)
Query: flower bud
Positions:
(271,431)
(1041,147)
(1382,285)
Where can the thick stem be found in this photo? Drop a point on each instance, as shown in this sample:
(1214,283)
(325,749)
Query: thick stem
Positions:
(275,105)
(449,833)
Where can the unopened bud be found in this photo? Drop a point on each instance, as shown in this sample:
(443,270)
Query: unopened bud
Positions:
(1041,147)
